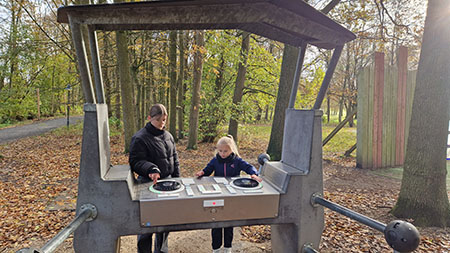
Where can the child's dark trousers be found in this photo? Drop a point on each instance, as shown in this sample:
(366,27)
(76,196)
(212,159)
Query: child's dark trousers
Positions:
(216,234)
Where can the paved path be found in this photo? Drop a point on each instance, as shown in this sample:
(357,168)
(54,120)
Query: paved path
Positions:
(37,128)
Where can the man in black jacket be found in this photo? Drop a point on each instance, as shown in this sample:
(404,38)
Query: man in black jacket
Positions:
(153,156)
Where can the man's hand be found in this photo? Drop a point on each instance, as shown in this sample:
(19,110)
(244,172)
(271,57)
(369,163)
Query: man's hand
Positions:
(154,177)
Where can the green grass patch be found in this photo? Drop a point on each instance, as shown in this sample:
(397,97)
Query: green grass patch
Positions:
(342,141)
(75,129)
(255,131)
(334,119)
(397,173)
(9,123)
(115,128)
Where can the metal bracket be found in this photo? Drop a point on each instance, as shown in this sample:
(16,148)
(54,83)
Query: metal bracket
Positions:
(313,199)
(308,248)
(28,250)
(93,209)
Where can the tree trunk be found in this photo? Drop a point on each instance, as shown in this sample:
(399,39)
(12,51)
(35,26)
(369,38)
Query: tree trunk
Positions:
(266,114)
(106,74)
(195,103)
(239,88)
(12,47)
(423,195)
(180,85)
(259,112)
(143,104)
(290,55)
(126,88)
(173,83)
(214,114)
(117,110)
(147,87)
(163,77)
(137,105)
(328,107)
(350,109)
(151,87)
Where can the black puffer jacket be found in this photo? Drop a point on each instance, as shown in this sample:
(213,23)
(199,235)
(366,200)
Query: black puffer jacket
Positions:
(153,150)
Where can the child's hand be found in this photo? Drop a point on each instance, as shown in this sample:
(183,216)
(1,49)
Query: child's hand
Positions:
(200,173)
(254,176)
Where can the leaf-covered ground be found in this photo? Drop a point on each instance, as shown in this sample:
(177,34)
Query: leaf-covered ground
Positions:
(38,186)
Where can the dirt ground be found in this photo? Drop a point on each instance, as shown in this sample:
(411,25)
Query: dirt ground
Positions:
(339,179)
(360,190)
(198,241)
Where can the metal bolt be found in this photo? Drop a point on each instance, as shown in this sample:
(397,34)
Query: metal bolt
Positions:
(93,209)
(313,201)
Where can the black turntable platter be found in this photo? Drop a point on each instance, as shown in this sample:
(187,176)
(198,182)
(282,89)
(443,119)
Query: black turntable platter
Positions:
(167,186)
(246,183)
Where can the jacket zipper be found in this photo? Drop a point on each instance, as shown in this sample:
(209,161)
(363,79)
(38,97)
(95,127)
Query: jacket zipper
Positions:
(225,169)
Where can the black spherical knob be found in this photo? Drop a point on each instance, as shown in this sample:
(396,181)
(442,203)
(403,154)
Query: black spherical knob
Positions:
(262,158)
(402,236)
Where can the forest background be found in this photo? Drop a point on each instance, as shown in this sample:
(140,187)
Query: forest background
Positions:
(215,78)
(239,77)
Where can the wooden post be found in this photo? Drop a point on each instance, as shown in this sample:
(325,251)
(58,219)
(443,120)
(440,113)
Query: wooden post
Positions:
(364,156)
(38,104)
(378,109)
(402,65)
(361,126)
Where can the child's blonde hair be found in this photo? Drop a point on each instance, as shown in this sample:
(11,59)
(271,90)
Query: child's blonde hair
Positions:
(229,140)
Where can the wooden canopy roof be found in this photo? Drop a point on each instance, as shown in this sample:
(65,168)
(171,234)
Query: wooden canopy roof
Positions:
(288,21)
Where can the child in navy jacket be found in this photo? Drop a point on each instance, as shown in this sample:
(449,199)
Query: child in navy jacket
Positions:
(226,163)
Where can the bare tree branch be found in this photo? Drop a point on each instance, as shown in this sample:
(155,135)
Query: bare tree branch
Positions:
(252,90)
(45,33)
(391,18)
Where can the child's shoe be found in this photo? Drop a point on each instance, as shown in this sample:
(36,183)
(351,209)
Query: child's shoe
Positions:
(226,250)
(217,250)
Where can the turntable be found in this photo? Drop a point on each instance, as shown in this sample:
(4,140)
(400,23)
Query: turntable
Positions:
(166,187)
(206,199)
(246,184)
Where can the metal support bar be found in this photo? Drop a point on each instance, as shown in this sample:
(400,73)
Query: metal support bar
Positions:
(400,235)
(88,212)
(328,75)
(350,150)
(96,65)
(298,71)
(308,248)
(317,199)
(83,65)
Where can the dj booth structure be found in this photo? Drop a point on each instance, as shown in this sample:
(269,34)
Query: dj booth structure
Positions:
(284,198)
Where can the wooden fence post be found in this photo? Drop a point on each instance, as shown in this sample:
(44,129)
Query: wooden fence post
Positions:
(384,110)
(378,109)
